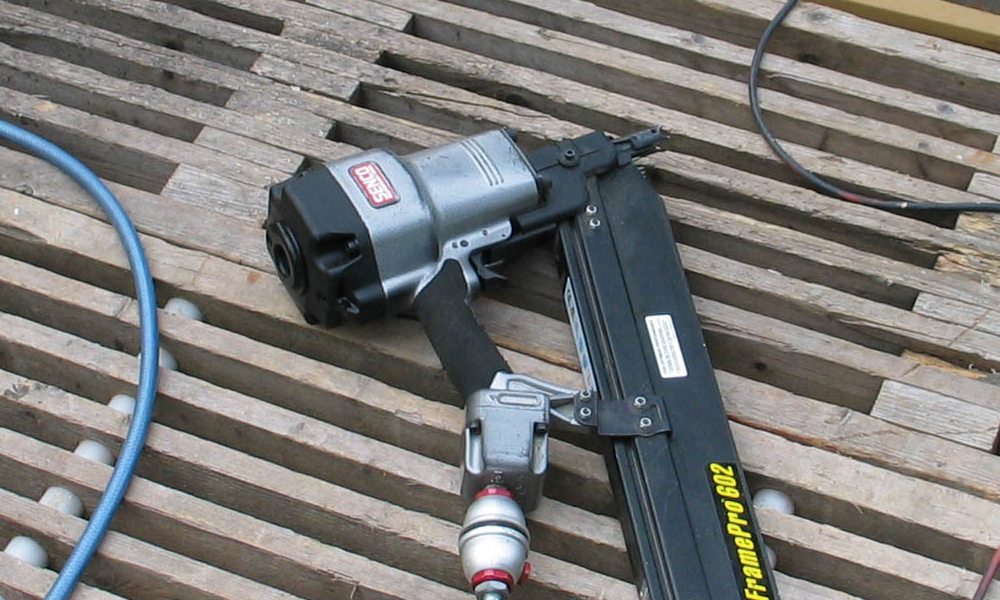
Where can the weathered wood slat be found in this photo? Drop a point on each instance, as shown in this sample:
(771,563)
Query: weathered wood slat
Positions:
(586,103)
(137,568)
(812,82)
(928,518)
(181,523)
(360,404)
(90,130)
(413,542)
(32,422)
(955,311)
(805,300)
(21,581)
(279,118)
(841,41)
(693,92)
(549,374)
(330,453)
(923,410)
(813,259)
(848,563)
(229,238)
(178,459)
(322,391)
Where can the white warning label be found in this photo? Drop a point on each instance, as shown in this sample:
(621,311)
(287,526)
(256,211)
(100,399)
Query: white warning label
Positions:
(666,346)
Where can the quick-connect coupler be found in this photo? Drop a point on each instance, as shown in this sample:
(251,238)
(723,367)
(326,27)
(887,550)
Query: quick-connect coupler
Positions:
(494,543)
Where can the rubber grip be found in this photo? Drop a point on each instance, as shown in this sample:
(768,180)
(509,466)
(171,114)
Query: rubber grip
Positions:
(469,356)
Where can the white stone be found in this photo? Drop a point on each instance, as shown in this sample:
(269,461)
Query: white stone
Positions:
(122,403)
(183,308)
(774,500)
(94,451)
(62,500)
(28,550)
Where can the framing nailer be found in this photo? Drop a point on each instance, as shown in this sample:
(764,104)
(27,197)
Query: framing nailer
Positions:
(379,234)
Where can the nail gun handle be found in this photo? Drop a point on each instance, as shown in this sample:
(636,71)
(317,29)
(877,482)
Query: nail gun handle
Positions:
(469,356)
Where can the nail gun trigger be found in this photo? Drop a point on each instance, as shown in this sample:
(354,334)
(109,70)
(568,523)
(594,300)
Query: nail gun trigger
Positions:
(487,276)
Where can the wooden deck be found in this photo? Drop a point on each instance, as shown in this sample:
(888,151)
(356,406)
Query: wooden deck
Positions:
(857,350)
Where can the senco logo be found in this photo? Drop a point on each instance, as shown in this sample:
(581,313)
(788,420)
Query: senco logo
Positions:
(374,184)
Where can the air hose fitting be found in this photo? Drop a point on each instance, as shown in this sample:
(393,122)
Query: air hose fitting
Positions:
(493,544)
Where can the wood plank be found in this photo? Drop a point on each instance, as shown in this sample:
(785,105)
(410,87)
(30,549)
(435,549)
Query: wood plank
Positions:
(812,82)
(465,68)
(840,41)
(791,587)
(923,410)
(681,88)
(123,57)
(155,215)
(825,310)
(136,568)
(933,17)
(21,581)
(581,102)
(365,11)
(232,481)
(61,410)
(249,149)
(775,202)
(866,438)
(191,186)
(918,516)
(816,260)
(331,453)
(848,563)
(956,311)
(884,321)
(375,410)
(792,452)
(306,386)
(162,153)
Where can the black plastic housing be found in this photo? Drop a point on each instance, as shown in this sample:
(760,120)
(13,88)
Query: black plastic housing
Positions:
(323,251)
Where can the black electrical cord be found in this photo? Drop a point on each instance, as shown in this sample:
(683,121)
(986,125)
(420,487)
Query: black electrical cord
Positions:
(819,184)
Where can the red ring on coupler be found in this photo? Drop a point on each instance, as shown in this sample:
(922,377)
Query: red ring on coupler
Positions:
(493,490)
(493,575)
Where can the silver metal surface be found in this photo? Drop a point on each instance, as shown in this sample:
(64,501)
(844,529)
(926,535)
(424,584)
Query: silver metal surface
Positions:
(454,200)
(506,435)
(493,590)
(494,537)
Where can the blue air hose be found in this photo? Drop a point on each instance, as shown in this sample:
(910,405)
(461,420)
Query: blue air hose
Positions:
(145,293)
